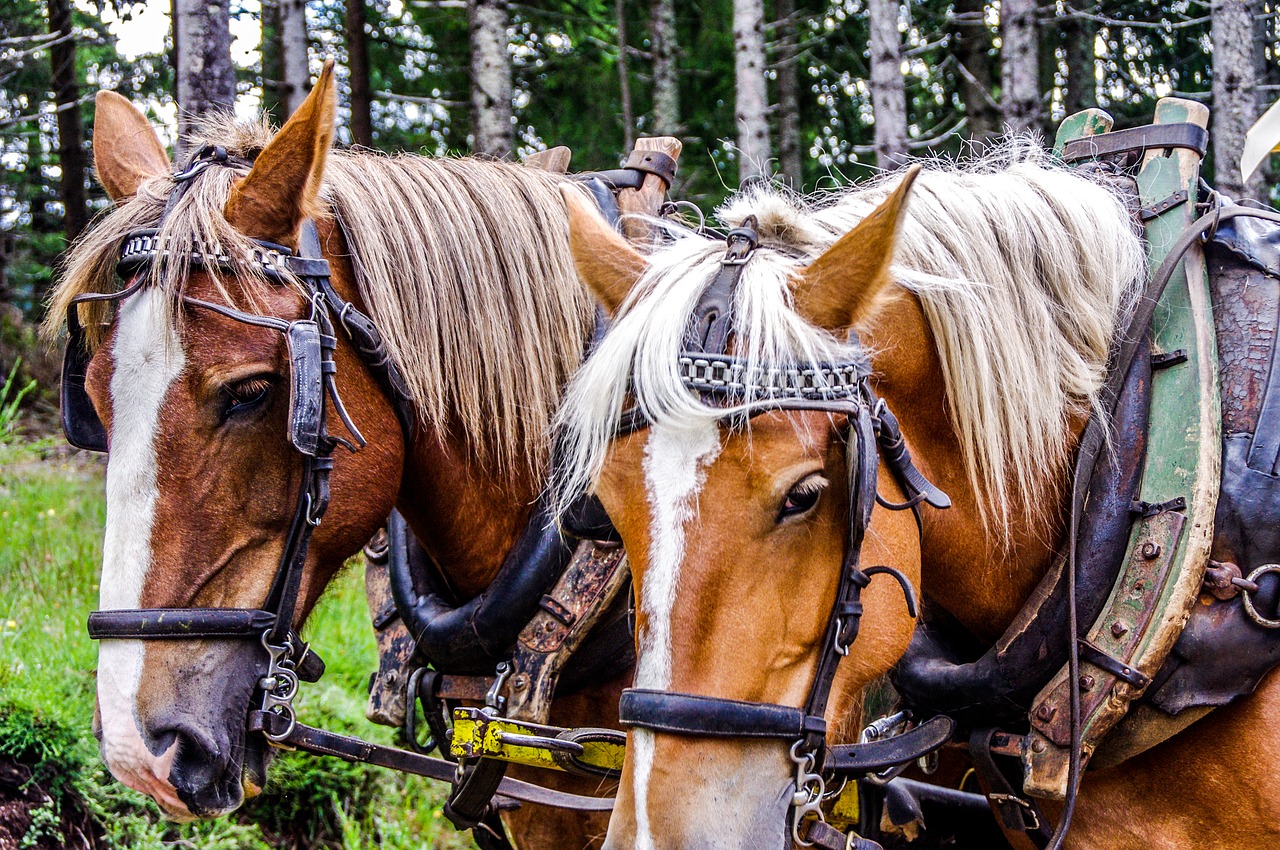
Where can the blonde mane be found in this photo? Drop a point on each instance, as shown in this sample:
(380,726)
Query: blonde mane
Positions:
(1024,269)
(463,264)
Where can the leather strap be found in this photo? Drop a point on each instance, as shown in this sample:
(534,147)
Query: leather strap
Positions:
(714,717)
(874,756)
(1138,140)
(176,623)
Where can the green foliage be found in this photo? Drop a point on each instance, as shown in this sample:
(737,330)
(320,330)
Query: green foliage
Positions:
(11,395)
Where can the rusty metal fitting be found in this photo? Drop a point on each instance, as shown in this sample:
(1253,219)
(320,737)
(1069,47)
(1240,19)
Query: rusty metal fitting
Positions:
(1220,580)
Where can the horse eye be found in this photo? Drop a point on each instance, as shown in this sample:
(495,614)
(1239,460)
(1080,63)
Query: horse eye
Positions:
(243,396)
(802,497)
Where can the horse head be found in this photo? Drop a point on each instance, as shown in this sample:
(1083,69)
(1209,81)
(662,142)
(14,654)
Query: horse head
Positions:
(747,502)
(197,383)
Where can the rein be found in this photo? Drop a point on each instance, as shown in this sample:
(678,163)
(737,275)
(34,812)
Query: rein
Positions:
(724,380)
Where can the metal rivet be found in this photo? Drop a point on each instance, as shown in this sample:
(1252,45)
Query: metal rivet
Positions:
(1086,682)
(1150,550)
(1119,629)
(1038,746)
(1046,712)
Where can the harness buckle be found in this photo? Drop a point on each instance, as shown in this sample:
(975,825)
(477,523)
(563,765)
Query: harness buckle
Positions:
(494,699)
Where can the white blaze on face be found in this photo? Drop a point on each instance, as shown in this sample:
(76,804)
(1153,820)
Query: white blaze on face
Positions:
(675,460)
(148,358)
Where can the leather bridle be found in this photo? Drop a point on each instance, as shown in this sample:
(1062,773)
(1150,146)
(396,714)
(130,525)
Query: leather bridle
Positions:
(311,343)
(721,379)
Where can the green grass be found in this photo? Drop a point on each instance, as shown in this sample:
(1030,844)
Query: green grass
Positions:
(51,521)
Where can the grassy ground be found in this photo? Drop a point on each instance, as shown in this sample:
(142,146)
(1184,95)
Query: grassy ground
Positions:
(54,791)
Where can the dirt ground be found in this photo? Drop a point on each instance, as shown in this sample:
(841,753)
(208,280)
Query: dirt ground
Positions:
(28,809)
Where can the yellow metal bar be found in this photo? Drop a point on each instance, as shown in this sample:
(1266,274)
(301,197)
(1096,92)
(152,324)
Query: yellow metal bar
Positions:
(480,735)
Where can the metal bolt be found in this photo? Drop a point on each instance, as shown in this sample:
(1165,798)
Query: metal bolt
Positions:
(1045,712)
(520,681)
(1086,682)
(1119,630)
(1150,550)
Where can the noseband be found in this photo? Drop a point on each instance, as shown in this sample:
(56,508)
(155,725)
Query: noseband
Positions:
(311,343)
(724,380)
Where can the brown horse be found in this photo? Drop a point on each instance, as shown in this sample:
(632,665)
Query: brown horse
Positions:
(464,266)
(736,535)
(989,340)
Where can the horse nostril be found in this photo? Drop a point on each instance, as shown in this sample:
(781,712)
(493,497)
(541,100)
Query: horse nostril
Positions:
(202,774)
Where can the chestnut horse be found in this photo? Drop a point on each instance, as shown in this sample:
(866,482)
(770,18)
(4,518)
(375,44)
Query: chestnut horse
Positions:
(736,529)
(464,266)
(989,339)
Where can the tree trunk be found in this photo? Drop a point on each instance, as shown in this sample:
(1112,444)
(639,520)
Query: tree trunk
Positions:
(1235,105)
(358,68)
(1079,37)
(624,79)
(492,130)
(666,80)
(888,90)
(206,78)
(973,46)
(1019,65)
(296,65)
(787,63)
(273,94)
(751,110)
(66,94)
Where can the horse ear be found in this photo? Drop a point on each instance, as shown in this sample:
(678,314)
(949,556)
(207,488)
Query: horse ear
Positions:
(606,262)
(283,189)
(838,290)
(126,150)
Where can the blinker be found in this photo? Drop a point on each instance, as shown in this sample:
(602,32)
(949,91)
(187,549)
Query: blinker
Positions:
(306,391)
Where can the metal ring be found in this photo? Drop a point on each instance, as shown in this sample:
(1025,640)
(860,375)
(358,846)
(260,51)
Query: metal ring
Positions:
(1247,596)
(286,712)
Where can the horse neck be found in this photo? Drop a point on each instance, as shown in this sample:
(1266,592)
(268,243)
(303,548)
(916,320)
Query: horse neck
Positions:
(968,569)
(465,516)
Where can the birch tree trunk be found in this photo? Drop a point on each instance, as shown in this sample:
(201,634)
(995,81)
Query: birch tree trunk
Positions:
(66,94)
(1019,65)
(787,63)
(888,90)
(973,47)
(491,125)
(624,77)
(358,68)
(295,66)
(206,78)
(666,79)
(751,111)
(1235,105)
